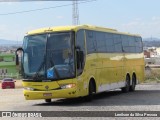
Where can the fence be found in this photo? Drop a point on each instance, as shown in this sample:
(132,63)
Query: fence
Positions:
(10,75)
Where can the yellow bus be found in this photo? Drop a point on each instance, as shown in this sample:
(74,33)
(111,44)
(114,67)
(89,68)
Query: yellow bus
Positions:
(79,61)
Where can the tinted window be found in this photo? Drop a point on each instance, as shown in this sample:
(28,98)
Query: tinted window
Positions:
(80,40)
(109,42)
(131,41)
(117,43)
(131,44)
(125,41)
(101,44)
(138,44)
(91,41)
(126,44)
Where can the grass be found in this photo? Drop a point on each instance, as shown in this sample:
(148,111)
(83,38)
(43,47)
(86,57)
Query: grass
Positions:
(152,75)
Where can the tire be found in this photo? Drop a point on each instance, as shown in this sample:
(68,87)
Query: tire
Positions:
(127,86)
(132,87)
(91,91)
(47,100)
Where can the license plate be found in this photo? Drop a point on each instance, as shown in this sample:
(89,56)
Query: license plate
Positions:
(8,87)
(47,94)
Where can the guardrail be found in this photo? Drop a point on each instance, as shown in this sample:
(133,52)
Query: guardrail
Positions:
(153,66)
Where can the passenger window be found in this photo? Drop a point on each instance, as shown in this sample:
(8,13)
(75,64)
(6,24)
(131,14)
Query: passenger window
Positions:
(132,41)
(101,44)
(109,42)
(117,43)
(91,42)
(125,41)
(138,44)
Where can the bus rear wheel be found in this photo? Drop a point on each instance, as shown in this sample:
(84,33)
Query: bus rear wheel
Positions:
(47,100)
(127,86)
(132,87)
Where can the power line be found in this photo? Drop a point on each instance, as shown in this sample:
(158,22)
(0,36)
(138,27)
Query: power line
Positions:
(40,9)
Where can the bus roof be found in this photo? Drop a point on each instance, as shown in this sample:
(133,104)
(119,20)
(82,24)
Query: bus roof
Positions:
(75,28)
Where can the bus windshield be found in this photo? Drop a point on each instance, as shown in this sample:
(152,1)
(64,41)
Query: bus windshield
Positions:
(48,56)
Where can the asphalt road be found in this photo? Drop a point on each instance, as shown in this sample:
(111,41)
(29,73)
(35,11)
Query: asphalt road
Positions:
(145,98)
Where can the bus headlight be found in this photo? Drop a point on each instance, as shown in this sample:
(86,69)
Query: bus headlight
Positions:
(29,88)
(68,86)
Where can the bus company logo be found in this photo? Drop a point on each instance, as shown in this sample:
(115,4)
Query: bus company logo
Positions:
(6,114)
(46,87)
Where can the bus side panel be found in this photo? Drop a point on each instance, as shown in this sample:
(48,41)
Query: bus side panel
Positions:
(111,75)
(90,71)
(134,63)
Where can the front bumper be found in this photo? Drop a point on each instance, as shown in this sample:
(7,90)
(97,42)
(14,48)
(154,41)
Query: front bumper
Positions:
(62,93)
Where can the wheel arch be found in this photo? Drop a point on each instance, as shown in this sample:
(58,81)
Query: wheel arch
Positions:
(94,83)
(128,75)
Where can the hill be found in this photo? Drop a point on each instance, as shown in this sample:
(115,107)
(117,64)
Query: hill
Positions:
(151,42)
(4,42)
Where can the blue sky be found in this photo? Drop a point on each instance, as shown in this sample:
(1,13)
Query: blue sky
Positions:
(133,16)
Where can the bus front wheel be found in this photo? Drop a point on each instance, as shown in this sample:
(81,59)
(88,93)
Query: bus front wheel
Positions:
(91,91)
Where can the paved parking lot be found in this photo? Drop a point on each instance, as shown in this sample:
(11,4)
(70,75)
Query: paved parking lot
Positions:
(145,98)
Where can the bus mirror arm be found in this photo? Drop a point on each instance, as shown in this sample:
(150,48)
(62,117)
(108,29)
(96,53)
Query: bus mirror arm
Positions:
(18,51)
(80,57)
(77,48)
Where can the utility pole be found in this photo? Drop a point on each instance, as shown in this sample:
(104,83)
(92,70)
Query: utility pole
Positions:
(75,13)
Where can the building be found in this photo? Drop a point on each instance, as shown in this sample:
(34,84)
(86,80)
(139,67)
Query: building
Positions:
(147,54)
(150,52)
(8,65)
(152,55)
(158,51)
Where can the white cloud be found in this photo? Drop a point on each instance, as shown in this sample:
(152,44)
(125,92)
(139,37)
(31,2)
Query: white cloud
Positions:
(138,19)
(145,28)
(154,18)
(39,2)
(3,29)
(11,0)
(59,17)
(6,3)
(9,3)
(6,32)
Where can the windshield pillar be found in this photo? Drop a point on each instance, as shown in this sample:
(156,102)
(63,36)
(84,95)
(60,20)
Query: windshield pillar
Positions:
(80,51)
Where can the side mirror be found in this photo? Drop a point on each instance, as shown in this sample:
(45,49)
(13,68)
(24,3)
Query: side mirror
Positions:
(80,58)
(18,53)
(81,54)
